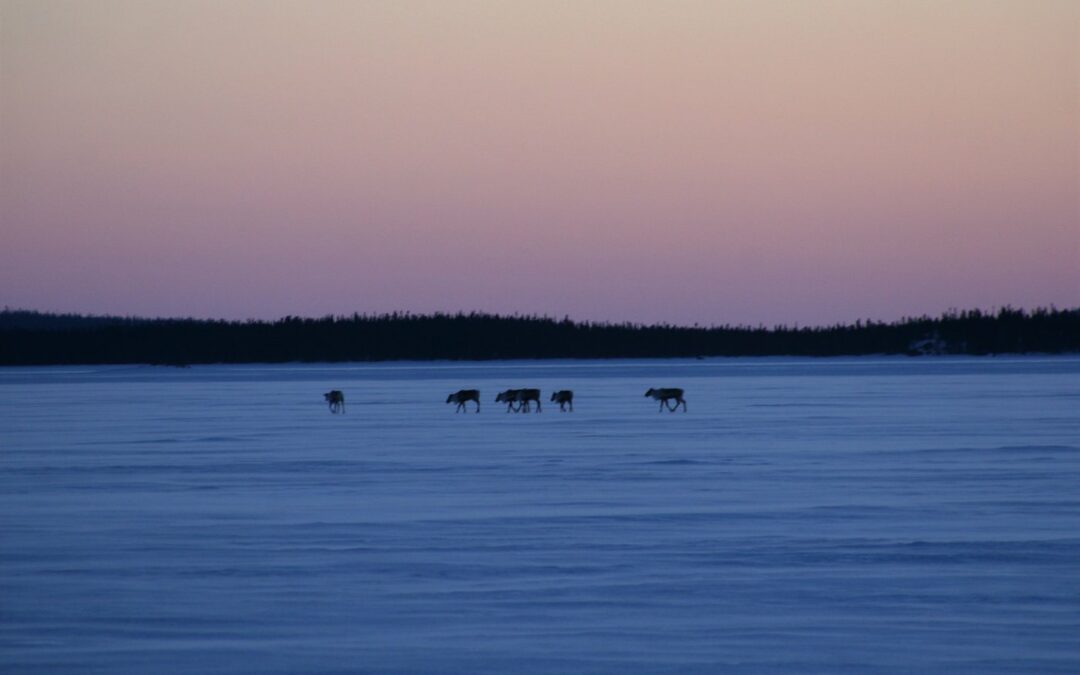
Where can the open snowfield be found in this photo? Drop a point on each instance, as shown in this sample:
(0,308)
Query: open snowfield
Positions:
(833,515)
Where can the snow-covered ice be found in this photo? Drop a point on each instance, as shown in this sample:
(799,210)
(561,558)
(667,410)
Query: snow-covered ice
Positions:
(828,515)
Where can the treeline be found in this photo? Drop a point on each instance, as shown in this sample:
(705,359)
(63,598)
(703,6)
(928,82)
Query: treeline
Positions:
(34,338)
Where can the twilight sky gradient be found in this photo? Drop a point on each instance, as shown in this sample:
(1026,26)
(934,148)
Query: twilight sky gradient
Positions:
(714,161)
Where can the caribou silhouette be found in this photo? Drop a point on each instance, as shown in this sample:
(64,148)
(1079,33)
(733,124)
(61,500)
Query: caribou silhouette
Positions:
(509,397)
(563,398)
(461,396)
(665,395)
(336,399)
(518,400)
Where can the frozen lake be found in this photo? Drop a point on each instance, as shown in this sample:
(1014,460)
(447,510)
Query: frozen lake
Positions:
(858,515)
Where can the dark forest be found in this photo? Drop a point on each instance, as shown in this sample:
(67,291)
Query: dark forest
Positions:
(35,338)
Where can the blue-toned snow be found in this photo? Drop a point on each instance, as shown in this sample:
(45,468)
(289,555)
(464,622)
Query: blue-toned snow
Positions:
(834,515)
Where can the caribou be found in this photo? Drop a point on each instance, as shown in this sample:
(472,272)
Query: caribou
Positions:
(461,396)
(509,397)
(665,395)
(336,399)
(563,398)
(526,395)
(518,400)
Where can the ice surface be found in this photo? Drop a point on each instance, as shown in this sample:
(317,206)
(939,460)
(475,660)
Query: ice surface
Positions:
(830,515)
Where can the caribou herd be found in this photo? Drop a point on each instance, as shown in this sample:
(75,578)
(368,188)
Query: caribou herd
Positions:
(521,400)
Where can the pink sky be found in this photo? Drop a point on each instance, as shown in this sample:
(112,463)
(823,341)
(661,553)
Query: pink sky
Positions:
(712,161)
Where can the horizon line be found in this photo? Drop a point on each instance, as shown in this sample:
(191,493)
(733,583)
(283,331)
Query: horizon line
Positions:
(952,312)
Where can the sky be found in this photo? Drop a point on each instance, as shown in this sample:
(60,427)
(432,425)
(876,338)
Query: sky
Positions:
(713,162)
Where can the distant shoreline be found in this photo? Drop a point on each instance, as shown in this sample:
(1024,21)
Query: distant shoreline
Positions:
(37,338)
